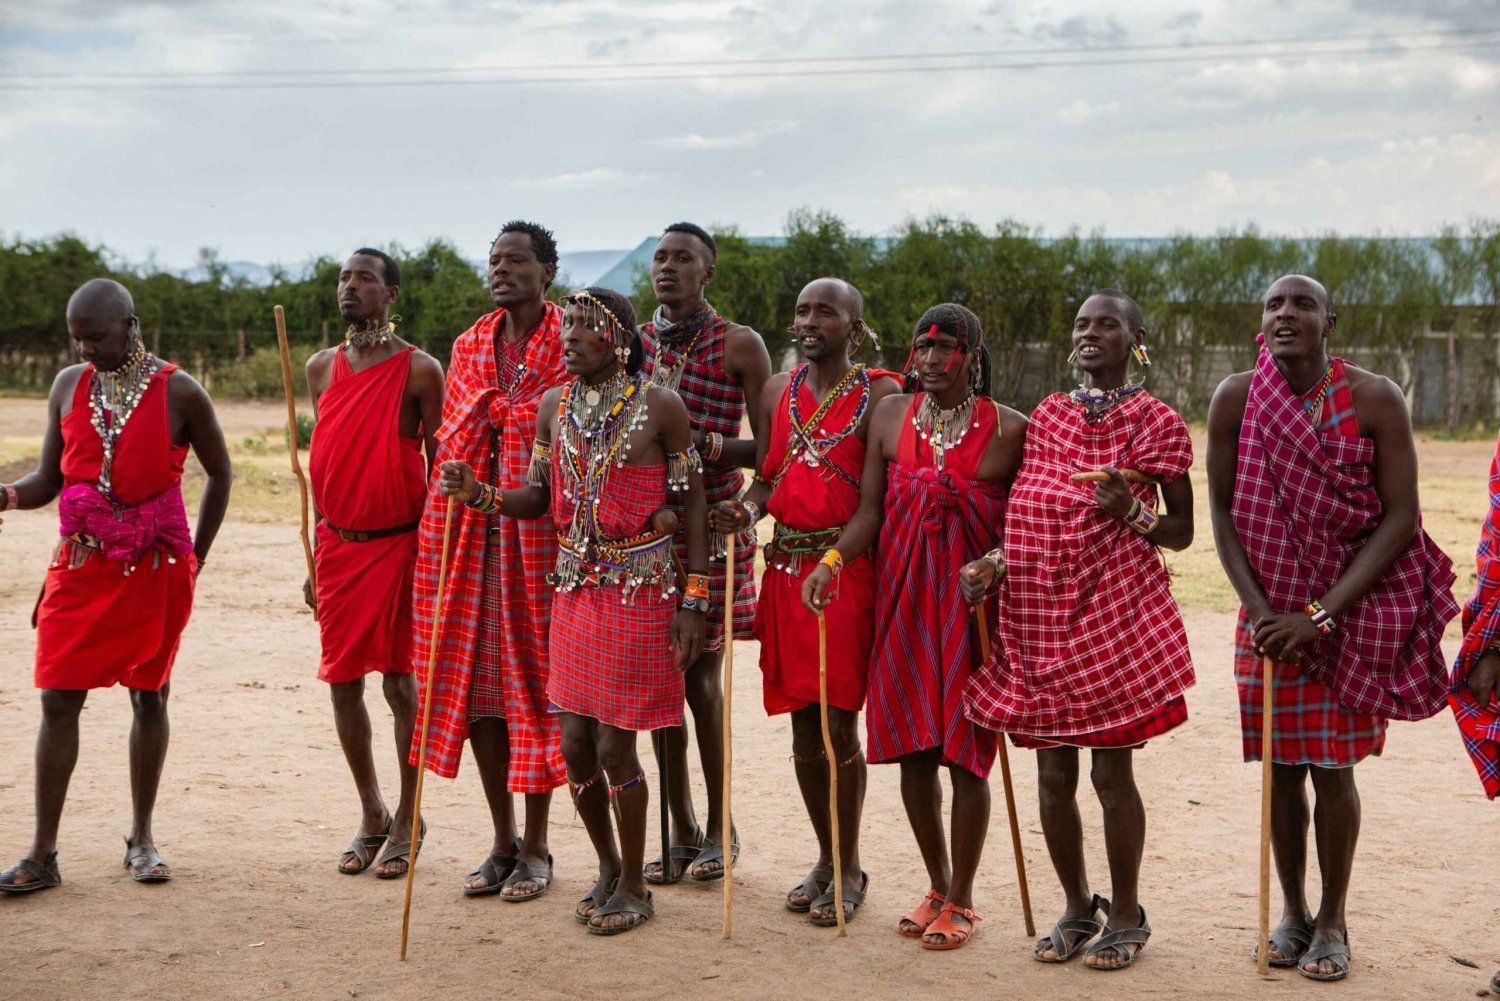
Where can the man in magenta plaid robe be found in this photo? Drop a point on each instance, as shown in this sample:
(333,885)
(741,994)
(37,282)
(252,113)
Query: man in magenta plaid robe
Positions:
(1313,490)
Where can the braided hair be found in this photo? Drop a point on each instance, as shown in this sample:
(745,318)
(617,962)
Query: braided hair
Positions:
(612,315)
(960,323)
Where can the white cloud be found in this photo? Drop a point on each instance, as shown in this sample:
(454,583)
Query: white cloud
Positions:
(1081,111)
(592,179)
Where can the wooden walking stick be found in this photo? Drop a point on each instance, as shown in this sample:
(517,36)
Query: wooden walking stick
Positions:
(983,624)
(432,643)
(1262,951)
(726,836)
(1100,476)
(833,777)
(291,441)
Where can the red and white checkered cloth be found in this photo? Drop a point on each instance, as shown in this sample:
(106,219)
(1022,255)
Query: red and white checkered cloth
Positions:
(1304,504)
(1089,637)
(1480,725)
(479,416)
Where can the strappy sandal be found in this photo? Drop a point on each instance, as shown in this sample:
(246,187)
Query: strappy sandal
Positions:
(682,857)
(493,871)
(812,887)
(44,875)
(1290,941)
(852,900)
(712,853)
(153,860)
(598,896)
(640,909)
(405,850)
(1085,928)
(1336,951)
(1495,985)
(922,915)
(364,847)
(524,873)
(1119,940)
(954,935)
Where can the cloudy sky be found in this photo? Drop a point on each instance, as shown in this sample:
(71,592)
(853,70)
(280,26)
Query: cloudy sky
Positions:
(279,129)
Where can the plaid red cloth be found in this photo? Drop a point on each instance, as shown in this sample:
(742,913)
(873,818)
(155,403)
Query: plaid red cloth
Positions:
(935,522)
(1089,637)
(1480,725)
(1132,735)
(612,656)
(715,403)
(1304,502)
(493,431)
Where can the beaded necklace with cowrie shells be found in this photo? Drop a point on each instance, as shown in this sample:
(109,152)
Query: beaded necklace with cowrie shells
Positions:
(113,398)
(944,429)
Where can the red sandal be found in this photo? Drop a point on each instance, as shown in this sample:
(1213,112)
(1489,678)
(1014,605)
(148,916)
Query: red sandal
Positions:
(954,935)
(922,915)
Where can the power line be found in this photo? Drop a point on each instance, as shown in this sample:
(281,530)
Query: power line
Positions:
(1388,40)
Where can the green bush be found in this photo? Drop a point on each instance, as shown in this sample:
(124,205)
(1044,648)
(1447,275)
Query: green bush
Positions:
(305,424)
(258,377)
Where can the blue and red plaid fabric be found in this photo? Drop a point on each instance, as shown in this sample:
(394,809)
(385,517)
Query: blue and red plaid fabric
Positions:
(1088,637)
(612,656)
(492,430)
(1480,725)
(935,522)
(715,403)
(1304,504)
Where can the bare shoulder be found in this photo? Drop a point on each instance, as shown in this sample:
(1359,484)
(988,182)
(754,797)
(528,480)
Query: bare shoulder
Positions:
(1229,399)
(549,399)
(321,361)
(665,403)
(423,365)
(1378,401)
(737,335)
(1012,422)
(883,386)
(184,387)
(892,406)
(66,382)
(776,385)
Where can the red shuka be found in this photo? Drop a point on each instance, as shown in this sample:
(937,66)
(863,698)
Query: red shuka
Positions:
(96,625)
(365,478)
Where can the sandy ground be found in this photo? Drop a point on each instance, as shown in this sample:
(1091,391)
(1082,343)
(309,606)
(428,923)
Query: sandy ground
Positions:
(256,805)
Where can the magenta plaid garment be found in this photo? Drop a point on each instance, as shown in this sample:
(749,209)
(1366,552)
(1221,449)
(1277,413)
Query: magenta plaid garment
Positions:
(1480,725)
(715,403)
(492,429)
(1304,503)
(1089,637)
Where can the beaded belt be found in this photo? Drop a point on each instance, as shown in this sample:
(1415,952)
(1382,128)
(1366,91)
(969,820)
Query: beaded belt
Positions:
(633,561)
(788,546)
(380,533)
(75,547)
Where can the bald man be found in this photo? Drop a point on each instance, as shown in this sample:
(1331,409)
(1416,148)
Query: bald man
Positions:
(818,417)
(1312,484)
(120,586)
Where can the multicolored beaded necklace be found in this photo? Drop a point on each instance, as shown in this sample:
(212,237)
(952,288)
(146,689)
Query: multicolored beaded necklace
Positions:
(1097,402)
(113,398)
(1312,400)
(812,449)
(944,429)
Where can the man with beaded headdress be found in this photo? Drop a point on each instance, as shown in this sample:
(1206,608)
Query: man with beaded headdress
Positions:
(810,460)
(378,402)
(939,461)
(611,449)
(1312,478)
(1089,649)
(490,678)
(717,367)
(120,587)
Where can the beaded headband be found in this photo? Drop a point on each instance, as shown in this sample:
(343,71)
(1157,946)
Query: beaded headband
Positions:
(583,297)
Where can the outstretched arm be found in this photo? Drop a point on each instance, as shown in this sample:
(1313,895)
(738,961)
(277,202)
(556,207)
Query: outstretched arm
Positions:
(733,515)
(207,439)
(531,501)
(41,486)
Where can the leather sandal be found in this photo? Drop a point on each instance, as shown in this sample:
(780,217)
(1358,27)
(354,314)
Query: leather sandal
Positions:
(152,860)
(405,851)
(598,896)
(852,900)
(922,915)
(954,934)
(640,910)
(363,848)
(1337,952)
(1061,939)
(812,887)
(1291,942)
(1120,941)
(524,873)
(493,871)
(44,875)
(682,856)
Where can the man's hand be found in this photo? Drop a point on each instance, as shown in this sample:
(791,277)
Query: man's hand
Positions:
(687,637)
(815,595)
(728,517)
(307,594)
(1484,676)
(458,481)
(1113,495)
(976,579)
(1281,637)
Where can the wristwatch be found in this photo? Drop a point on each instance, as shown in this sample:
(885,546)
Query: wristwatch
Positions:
(695,605)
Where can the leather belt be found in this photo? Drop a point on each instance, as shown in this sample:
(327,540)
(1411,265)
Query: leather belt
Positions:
(379,533)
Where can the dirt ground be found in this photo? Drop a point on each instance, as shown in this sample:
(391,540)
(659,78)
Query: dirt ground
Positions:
(256,805)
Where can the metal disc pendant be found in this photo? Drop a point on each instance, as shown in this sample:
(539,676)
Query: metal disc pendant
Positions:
(591,397)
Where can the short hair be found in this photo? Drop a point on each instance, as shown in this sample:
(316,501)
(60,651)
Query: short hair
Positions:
(692,229)
(543,245)
(391,271)
(1133,315)
(960,323)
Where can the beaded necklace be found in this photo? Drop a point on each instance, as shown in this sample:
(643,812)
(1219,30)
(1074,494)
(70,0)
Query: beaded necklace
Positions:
(114,397)
(1097,402)
(593,438)
(805,445)
(670,376)
(944,429)
(1312,400)
(370,337)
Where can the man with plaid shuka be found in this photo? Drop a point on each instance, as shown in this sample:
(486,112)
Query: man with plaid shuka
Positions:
(1313,489)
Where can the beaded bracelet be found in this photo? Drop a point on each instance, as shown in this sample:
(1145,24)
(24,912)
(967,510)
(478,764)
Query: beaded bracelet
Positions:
(1321,617)
(1145,521)
(753,510)
(697,585)
(713,443)
(12,499)
(995,558)
(486,501)
(833,560)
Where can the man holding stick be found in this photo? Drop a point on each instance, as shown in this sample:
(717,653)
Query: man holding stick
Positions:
(936,472)
(810,464)
(1312,477)
(491,674)
(120,588)
(610,449)
(716,367)
(378,402)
